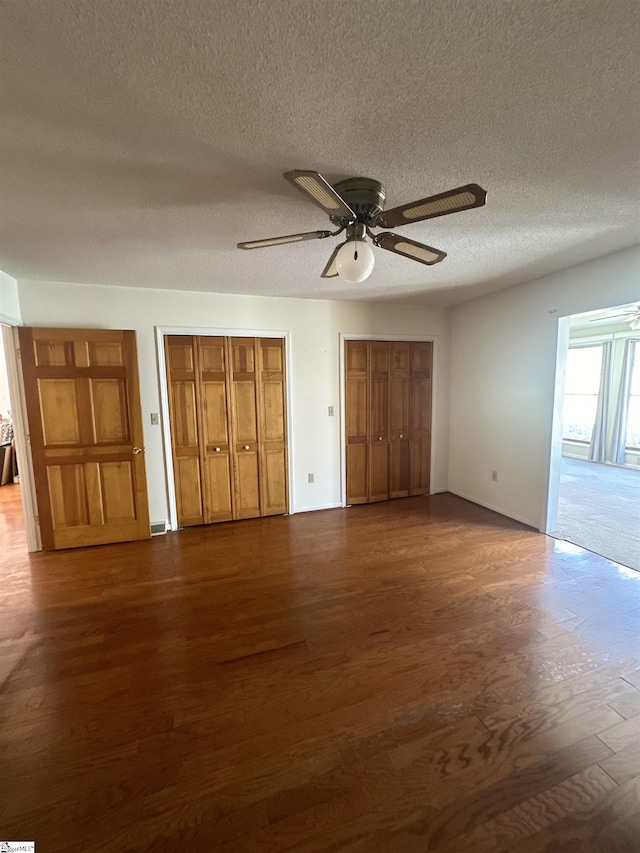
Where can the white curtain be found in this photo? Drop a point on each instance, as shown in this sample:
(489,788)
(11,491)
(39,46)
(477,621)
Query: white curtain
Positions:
(619,436)
(598,446)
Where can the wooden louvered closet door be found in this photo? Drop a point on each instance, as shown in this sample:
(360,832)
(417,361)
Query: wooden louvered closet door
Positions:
(388,419)
(228,427)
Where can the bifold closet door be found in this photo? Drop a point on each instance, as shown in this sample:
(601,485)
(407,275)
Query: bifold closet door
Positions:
(272,426)
(228,427)
(420,420)
(357,420)
(400,417)
(378,421)
(244,429)
(215,443)
(184,406)
(388,419)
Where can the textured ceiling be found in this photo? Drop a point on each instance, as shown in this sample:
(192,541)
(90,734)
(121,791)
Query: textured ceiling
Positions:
(140,141)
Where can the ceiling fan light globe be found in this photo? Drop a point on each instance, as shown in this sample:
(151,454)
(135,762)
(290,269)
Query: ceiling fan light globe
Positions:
(354,261)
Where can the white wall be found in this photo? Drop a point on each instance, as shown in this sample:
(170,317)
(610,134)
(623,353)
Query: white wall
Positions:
(9,304)
(9,314)
(315,327)
(503,350)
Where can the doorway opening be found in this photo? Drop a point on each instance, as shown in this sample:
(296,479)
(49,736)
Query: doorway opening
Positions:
(11,513)
(597,442)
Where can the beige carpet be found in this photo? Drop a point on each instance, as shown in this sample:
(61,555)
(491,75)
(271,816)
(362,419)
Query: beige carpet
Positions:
(599,509)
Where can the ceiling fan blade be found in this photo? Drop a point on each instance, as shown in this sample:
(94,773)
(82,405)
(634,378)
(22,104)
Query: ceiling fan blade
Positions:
(410,249)
(628,315)
(289,238)
(321,193)
(462,198)
(331,271)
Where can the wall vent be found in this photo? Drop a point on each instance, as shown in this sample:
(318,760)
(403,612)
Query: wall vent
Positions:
(158,528)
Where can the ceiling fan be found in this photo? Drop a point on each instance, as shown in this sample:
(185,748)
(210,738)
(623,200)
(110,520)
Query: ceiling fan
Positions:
(356,206)
(628,315)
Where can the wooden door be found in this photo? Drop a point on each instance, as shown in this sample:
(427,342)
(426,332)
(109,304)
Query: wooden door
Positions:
(244,429)
(85,425)
(357,420)
(400,416)
(272,426)
(388,419)
(420,425)
(227,400)
(215,444)
(378,421)
(184,405)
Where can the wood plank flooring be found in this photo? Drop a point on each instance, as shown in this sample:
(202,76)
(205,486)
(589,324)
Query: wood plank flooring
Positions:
(415,675)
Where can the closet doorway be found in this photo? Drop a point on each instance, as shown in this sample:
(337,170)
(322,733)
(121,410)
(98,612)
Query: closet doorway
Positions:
(226,432)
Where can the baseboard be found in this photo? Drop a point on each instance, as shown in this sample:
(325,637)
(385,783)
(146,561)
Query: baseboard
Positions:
(495,509)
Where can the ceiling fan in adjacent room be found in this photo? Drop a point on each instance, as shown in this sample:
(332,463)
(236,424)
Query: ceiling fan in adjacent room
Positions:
(356,206)
(629,315)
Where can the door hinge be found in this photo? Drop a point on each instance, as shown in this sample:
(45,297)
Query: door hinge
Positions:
(36,518)
(18,354)
(28,439)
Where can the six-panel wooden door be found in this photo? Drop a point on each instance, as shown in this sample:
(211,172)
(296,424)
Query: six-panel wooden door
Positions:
(85,431)
(228,427)
(388,419)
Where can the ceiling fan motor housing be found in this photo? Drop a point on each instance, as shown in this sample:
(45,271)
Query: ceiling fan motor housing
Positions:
(365,196)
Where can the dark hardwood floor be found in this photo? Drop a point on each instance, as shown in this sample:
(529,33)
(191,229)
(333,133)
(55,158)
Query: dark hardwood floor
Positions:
(416,675)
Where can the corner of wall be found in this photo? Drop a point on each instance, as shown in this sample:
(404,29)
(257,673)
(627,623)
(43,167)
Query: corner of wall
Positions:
(9,301)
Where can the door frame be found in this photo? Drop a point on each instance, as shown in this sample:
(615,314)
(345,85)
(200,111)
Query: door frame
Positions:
(21,437)
(344,337)
(212,332)
(553,454)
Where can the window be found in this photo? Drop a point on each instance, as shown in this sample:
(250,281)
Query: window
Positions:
(632,440)
(582,384)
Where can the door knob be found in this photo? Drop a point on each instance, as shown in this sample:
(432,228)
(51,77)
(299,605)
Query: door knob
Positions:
(401,435)
(246,447)
(137,450)
(217,450)
(379,438)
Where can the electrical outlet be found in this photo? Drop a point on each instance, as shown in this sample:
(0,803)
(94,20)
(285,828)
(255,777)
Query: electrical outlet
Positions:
(494,476)
(311,478)
(155,418)
(332,412)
